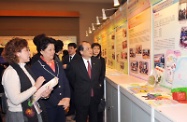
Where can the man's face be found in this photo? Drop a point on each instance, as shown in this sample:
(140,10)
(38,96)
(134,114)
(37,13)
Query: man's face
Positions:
(87,50)
(71,50)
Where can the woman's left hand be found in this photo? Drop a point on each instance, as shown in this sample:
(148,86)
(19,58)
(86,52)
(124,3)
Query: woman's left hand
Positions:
(65,102)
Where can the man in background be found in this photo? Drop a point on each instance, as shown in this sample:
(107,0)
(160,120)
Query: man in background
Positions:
(72,48)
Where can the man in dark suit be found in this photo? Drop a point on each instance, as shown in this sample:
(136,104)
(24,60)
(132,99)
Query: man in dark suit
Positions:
(84,76)
(72,48)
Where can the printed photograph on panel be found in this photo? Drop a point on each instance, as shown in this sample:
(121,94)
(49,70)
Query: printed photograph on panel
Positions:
(132,53)
(182,9)
(146,53)
(134,66)
(183,37)
(159,60)
(143,67)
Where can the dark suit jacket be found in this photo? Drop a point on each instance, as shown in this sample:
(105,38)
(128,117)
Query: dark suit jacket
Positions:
(66,61)
(35,58)
(82,83)
(61,90)
(66,58)
(102,75)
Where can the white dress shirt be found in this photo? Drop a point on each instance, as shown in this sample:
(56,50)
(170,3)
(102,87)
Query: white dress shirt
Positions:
(71,57)
(86,63)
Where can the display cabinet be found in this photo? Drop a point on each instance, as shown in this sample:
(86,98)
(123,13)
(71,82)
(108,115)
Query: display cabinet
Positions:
(112,101)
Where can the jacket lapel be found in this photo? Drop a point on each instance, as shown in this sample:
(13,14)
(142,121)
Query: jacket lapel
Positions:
(93,68)
(48,68)
(56,68)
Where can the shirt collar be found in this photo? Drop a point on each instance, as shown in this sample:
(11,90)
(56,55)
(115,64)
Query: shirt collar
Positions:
(22,64)
(72,55)
(85,60)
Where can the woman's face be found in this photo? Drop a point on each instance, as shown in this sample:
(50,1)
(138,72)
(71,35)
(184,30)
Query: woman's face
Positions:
(96,50)
(48,53)
(24,55)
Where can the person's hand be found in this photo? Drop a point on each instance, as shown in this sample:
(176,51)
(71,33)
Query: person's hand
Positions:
(46,93)
(64,66)
(64,102)
(39,82)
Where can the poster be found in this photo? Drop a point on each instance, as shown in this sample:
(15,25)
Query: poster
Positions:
(121,40)
(137,6)
(153,2)
(140,44)
(111,56)
(169,37)
(105,35)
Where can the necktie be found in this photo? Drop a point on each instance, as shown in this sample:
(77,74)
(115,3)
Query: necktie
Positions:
(70,58)
(90,75)
(89,69)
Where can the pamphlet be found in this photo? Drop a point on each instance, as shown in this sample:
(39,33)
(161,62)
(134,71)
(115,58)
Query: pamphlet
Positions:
(49,85)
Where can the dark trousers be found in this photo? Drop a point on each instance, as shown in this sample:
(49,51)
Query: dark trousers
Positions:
(72,104)
(100,116)
(85,112)
(71,107)
(56,114)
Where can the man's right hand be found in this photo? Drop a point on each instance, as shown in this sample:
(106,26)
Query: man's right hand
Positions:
(65,66)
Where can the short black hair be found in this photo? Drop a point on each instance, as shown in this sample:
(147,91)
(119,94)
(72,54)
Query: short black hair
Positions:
(81,48)
(72,45)
(65,52)
(58,45)
(37,39)
(45,42)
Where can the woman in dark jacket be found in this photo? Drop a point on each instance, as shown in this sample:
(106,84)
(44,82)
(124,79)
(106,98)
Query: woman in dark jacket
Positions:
(50,68)
(96,48)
